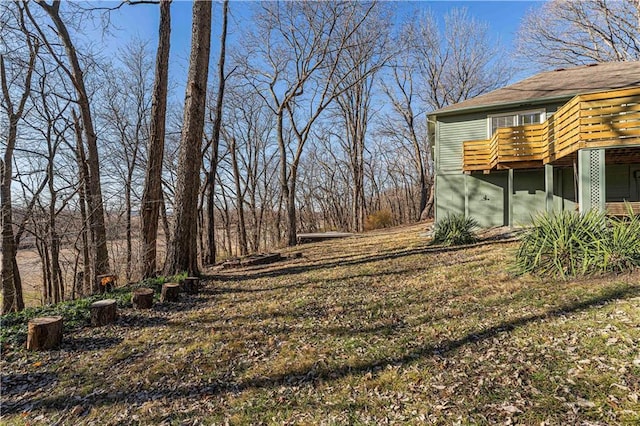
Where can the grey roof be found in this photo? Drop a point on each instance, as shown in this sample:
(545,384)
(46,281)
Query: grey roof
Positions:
(554,85)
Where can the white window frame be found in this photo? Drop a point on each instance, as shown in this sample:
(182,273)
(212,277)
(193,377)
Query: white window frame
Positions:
(541,111)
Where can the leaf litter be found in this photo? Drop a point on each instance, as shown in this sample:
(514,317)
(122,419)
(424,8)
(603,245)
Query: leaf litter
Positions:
(375,329)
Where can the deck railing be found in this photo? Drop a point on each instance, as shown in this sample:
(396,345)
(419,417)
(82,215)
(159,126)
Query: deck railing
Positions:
(595,120)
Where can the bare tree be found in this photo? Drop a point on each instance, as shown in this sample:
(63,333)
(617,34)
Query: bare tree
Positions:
(152,193)
(459,62)
(248,127)
(294,57)
(88,285)
(215,140)
(124,109)
(566,33)
(183,248)
(12,299)
(75,72)
(406,123)
(52,128)
(362,59)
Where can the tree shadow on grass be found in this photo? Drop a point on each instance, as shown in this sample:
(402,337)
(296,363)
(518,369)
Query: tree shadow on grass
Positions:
(322,373)
(394,272)
(441,349)
(349,261)
(85,344)
(135,319)
(20,383)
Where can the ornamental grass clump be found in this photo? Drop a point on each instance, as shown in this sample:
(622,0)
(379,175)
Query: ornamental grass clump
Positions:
(455,230)
(569,244)
(622,248)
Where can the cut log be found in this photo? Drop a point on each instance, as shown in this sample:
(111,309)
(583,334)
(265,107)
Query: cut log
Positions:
(142,298)
(231,263)
(260,259)
(191,285)
(170,292)
(103,312)
(44,333)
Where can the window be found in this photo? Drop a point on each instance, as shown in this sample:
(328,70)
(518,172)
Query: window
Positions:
(514,119)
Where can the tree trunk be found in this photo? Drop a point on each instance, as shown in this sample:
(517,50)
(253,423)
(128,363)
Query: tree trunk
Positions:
(211,253)
(292,234)
(152,193)
(242,229)
(82,201)
(11,290)
(128,226)
(12,299)
(183,254)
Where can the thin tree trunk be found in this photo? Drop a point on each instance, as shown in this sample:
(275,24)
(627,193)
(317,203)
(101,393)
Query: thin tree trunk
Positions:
(242,229)
(88,283)
(152,194)
(215,142)
(12,299)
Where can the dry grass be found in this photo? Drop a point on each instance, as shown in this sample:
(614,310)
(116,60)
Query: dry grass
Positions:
(374,329)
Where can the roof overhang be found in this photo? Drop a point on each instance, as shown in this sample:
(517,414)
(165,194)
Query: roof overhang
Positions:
(500,106)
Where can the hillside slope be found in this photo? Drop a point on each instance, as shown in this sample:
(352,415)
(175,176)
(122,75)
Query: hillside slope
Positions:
(377,328)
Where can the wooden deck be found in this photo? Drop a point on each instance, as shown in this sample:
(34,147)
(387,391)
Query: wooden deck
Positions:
(595,120)
(622,208)
(321,236)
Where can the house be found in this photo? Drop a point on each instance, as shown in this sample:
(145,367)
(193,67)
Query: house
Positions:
(567,139)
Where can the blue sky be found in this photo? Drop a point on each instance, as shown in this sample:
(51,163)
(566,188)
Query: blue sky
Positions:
(141,21)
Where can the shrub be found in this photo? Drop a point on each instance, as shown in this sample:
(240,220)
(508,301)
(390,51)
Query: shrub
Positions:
(570,244)
(562,244)
(622,248)
(455,230)
(378,220)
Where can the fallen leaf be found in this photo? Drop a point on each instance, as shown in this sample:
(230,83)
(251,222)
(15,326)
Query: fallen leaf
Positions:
(510,409)
(585,403)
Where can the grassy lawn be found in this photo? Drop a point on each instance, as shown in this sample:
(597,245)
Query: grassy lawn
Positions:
(375,329)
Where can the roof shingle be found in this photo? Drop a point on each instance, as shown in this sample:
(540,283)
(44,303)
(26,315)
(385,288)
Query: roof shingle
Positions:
(556,84)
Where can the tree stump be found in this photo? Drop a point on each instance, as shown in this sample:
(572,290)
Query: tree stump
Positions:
(103,312)
(191,285)
(44,333)
(142,298)
(170,292)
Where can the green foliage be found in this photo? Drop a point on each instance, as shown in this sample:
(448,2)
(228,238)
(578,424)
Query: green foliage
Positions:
(378,220)
(455,230)
(75,313)
(569,244)
(622,249)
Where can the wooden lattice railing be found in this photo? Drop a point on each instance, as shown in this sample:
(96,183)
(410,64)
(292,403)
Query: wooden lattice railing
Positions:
(595,120)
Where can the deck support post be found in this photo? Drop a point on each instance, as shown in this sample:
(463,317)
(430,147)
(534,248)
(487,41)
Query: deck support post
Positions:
(510,199)
(548,188)
(591,180)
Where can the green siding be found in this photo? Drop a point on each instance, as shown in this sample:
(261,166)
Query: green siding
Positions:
(450,195)
(487,194)
(565,190)
(529,195)
(450,135)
